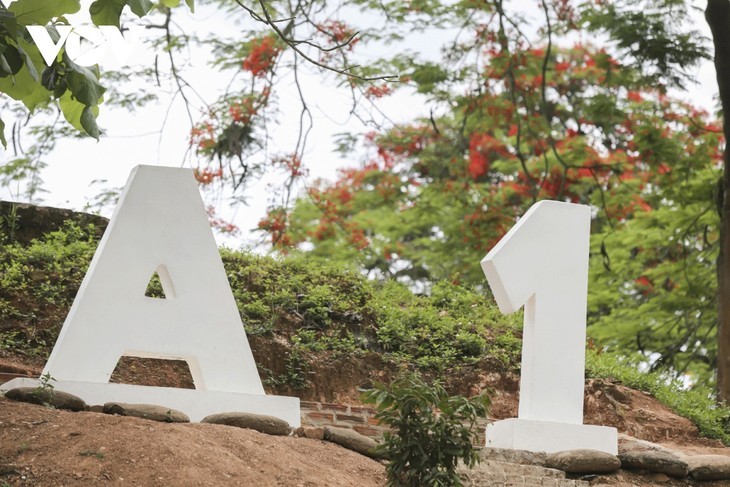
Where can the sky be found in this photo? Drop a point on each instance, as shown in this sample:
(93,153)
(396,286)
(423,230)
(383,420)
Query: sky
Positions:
(158,134)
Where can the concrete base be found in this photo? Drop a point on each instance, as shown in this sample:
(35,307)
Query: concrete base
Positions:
(195,403)
(526,434)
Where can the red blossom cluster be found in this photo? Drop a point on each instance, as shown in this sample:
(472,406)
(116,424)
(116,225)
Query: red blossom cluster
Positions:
(292,163)
(565,12)
(202,136)
(339,32)
(219,224)
(275,223)
(206,175)
(262,56)
(482,149)
(378,91)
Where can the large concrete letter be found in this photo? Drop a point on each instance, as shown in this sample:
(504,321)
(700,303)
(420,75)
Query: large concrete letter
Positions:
(160,225)
(542,264)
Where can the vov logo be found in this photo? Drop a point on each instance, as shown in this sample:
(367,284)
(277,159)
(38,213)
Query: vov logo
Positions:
(86,45)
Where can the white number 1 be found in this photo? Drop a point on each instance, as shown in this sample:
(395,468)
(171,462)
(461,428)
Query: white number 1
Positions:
(542,264)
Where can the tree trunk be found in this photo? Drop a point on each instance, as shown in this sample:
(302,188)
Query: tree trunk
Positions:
(718,17)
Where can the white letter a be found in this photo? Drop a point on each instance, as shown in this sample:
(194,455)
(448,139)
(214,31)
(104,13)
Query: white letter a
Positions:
(160,225)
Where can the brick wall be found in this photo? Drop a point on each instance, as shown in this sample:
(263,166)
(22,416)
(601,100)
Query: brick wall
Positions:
(358,418)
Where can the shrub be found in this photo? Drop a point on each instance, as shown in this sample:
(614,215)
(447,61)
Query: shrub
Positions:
(432,431)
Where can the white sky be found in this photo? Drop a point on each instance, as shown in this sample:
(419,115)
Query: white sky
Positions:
(76,163)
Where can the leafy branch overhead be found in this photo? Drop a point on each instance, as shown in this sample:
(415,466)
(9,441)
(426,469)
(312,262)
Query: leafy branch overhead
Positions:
(24,75)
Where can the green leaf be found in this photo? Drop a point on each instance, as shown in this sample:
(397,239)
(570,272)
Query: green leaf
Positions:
(77,114)
(83,83)
(140,7)
(29,63)
(10,23)
(170,3)
(88,122)
(23,87)
(106,12)
(2,134)
(191,5)
(40,12)
(4,66)
(12,60)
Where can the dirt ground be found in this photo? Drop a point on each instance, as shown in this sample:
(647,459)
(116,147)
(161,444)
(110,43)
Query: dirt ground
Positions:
(44,447)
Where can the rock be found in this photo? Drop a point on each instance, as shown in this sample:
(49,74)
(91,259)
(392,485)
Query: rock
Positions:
(655,461)
(47,397)
(709,467)
(258,422)
(314,433)
(583,461)
(146,411)
(628,443)
(352,440)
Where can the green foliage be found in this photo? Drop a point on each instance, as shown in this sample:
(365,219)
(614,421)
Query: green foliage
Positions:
(653,33)
(697,404)
(570,124)
(432,431)
(324,308)
(321,312)
(76,88)
(9,224)
(108,12)
(37,285)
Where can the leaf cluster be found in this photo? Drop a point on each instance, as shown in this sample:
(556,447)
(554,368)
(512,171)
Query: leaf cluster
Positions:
(431,430)
(24,75)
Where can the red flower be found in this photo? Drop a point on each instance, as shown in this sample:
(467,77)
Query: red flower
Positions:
(635,96)
(262,56)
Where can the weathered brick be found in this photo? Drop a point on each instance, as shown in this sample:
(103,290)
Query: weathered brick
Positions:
(350,418)
(373,421)
(335,407)
(310,405)
(362,410)
(320,416)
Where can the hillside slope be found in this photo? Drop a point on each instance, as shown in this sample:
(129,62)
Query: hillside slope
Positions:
(318,333)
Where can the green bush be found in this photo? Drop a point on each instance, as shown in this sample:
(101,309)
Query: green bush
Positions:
(432,431)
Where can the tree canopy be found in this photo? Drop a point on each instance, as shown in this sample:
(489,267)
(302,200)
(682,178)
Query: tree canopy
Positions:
(575,102)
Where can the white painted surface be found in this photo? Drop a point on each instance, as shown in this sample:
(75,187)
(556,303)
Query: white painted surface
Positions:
(160,225)
(524,434)
(542,264)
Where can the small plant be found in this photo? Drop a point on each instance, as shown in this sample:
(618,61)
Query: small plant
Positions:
(9,222)
(44,391)
(296,370)
(432,431)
